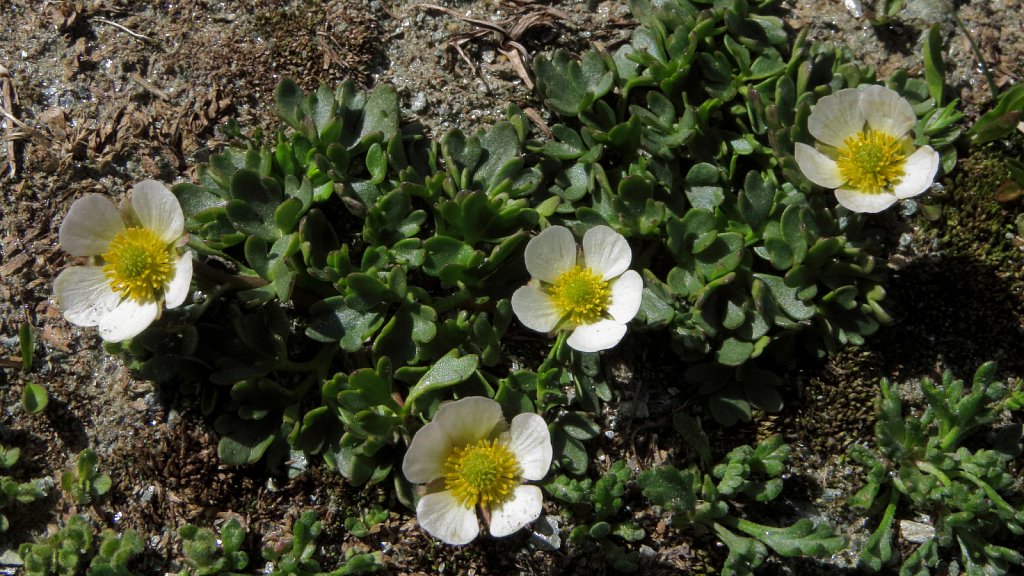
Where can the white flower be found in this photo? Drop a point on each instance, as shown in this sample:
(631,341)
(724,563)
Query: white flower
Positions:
(134,261)
(866,152)
(469,457)
(592,294)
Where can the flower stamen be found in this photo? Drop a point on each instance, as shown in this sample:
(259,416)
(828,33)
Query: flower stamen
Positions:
(871,161)
(138,264)
(481,473)
(581,295)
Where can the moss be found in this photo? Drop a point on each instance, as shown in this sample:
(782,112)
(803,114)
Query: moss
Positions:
(973,223)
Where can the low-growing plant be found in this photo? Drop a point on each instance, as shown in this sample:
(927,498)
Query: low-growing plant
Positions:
(70,551)
(1000,121)
(294,557)
(353,273)
(62,553)
(598,506)
(683,140)
(85,483)
(922,464)
(115,553)
(350,275)
(207,553)
(701,499)
(366,523)
(11,490)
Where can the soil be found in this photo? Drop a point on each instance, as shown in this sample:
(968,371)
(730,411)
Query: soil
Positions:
(103,93)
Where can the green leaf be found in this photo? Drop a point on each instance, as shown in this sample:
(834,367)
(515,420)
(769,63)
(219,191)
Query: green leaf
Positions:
(703,187)
(734,352)
(381,113)
(334,321)
(289,98)
(755,200)
(803,538)
(729,405)
(27,341)
(693,433)
(786,297)
(569,452)
(1000,121)
(447,258)
(34,398)
(670,488)
(449,370)
(762,393)
(579,425)
(934,66)
(401,338)
(568,490)
(243,441)
(722,256)
(600,529)
(569,87)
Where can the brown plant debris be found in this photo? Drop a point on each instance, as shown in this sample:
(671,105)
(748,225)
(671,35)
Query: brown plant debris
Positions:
(508,32)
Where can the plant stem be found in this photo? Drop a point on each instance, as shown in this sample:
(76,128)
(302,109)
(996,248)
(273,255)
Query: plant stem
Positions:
(885,525)
(989,491)
(545,366)
(934,471)
(977,54)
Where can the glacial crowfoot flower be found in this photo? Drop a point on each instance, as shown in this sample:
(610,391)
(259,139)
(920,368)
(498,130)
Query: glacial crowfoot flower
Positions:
(865,151)
(468,457)
(593,294)
(135,264)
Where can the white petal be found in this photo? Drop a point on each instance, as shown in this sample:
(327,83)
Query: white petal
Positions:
(598,336)
(424,460)
(627,293)
(550,253)
(158,209)
(468,420)
(90,225)
(918,172)
(886,111)
(530,442)
(128,319)
(817,167)
(177,289)
(858,201)
(441,515)
(836,117)
(84,295)
(525,506)
(606,252)
(535,309)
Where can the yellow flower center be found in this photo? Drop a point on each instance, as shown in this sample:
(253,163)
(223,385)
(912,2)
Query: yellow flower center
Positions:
(581,295)
(871,161)
(481,473)
(138,264)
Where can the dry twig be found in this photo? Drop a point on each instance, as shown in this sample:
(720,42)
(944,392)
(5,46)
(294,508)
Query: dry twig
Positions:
(138,79)
(8,111)
(130,32)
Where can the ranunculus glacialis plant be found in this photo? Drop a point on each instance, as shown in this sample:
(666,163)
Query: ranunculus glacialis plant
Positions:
(591,293)
(864,149)
(136,265)
(468,458)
